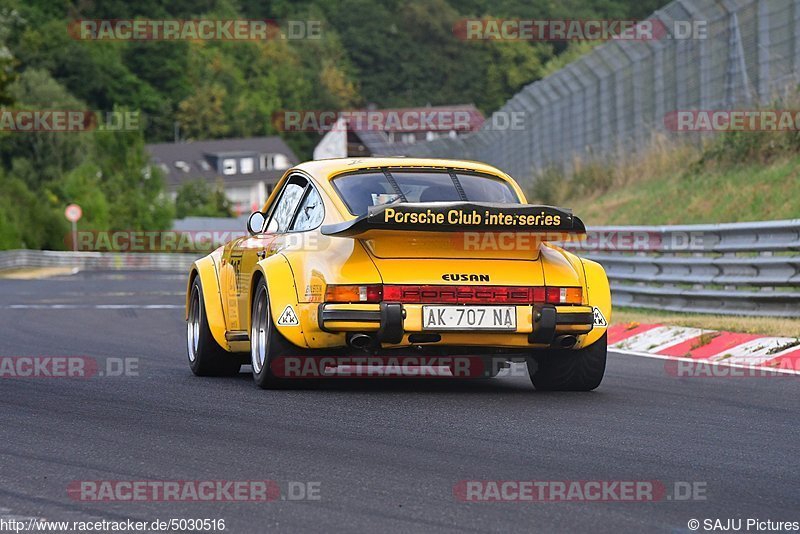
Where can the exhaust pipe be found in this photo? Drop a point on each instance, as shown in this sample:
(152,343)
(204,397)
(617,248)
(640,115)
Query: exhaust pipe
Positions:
(566,342)
(360,341)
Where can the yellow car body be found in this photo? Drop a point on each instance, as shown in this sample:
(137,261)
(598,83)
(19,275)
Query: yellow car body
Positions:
(464,252)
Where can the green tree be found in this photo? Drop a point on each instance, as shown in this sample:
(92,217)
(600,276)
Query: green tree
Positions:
(197,198)
(83,185)
(201,115)
(39,157)
(134,189)
(28,219)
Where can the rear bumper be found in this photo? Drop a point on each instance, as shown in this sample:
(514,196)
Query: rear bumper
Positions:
(386,321)
(390,323)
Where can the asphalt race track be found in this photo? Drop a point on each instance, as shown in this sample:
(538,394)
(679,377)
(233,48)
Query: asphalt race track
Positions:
(385,453)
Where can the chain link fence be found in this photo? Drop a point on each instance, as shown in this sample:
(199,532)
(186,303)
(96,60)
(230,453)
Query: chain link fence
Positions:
(611,101)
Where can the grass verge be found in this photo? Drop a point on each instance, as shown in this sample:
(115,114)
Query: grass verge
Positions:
(744,193)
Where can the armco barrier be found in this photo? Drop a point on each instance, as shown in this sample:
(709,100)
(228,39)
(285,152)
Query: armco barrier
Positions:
(11,259)
(735,269)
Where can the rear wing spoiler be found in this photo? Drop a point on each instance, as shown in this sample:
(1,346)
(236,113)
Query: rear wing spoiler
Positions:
(460,217)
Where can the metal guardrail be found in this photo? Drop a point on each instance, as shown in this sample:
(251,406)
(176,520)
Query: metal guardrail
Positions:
(11,259)
(733,269)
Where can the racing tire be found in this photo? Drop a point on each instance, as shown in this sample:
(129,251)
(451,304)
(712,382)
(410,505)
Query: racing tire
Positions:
(206,357)
(266,343)
(569,370)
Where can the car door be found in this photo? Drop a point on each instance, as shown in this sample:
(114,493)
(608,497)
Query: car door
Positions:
(253,249)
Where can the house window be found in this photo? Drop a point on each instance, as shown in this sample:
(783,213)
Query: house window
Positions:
(408,138)
(228,166)
(246,165)
(203,164)
(280,162)
(277,162)
(182,165)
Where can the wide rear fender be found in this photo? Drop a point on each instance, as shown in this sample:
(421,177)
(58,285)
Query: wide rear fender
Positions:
(562,268)
(207,270)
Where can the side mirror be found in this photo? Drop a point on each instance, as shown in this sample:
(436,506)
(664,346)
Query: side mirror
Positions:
(255,224)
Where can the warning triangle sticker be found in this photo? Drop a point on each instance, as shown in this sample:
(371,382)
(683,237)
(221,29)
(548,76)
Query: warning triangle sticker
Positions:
(288,317)
(599,319)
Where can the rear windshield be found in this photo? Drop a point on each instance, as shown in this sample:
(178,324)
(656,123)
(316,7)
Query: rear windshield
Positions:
(362,190)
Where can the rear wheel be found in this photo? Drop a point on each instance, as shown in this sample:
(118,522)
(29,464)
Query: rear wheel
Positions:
(206,357)
(266,343)
(569,370)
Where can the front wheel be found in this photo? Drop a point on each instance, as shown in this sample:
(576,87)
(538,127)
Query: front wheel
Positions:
(569,370)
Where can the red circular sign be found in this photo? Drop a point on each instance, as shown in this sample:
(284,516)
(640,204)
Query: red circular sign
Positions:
(73,213)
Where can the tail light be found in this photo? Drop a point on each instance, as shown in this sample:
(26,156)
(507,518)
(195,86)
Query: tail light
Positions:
(439,294)
(413,294)
(564,295)
(354,293)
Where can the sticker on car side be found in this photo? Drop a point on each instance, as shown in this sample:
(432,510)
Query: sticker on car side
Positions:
(599,318)
(288,317)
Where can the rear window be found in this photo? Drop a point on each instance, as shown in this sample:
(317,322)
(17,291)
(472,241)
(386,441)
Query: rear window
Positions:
(362,190)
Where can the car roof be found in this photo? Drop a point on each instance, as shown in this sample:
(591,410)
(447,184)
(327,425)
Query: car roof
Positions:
(323,170)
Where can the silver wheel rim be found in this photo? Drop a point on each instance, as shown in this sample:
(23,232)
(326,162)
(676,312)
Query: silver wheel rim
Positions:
(259,332)
(193,325)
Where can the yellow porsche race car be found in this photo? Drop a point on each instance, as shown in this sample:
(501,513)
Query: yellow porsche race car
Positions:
(378,257)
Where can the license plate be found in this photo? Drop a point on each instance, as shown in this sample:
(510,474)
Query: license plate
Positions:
(469,318)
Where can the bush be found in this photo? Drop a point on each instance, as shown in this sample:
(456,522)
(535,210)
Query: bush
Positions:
(197,198)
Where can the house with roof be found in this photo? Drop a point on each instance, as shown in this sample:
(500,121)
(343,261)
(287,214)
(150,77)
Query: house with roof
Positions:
(389,132)
(248,168)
